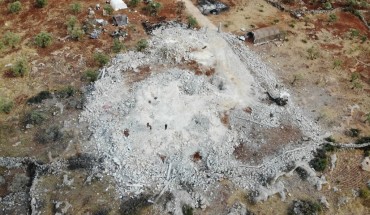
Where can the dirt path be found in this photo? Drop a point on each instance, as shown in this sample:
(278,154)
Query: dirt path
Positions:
(194,11)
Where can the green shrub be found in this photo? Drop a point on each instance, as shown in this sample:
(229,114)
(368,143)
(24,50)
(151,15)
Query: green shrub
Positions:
(5,105)
(11,39)
(192,22)
(332,17)
(133,3)
(354,32)
(363,140)
(320,161)
(330,139)
(141,45)
(71,22)
(312,53)
(101,58)
(1,45)
(327,6)
(15,7)
(91,75)
(109,9)
(364,193)
(34,118)
(74,29)
(41,3)
(187,210)
(43,39)
(39,97)
(66,92)
(20,68)
(304,207)
(153,8)
(117,46)
(76,7)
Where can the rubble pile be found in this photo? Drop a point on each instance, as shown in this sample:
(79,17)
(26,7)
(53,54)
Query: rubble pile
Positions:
(176,127)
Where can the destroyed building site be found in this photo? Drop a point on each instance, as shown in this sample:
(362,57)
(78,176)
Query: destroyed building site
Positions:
(184,107)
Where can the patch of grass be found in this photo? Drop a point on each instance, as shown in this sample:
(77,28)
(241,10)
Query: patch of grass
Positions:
(43,39)
(313,53)
(5,105)
(20,68)
(91,75)
(39,97)
(153,8)
(109,9)
(11,39)
(41,3)
(101,59)
(117,46)
(141,45)
(192,22)
(15,7)
(75,7)
(337,64)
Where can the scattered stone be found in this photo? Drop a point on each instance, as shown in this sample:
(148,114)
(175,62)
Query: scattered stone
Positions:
(324,202)
(365,165)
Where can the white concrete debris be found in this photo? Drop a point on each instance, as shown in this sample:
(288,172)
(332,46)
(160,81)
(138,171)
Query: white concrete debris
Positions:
(333,161)
(142,125)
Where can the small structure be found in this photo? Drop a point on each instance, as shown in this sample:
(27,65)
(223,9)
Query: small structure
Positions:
(118,5)
(120,20)
(264,35)
(211,7)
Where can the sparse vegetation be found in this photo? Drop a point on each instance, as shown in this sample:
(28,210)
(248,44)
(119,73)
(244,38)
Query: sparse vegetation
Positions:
(91,75)
(43,39)
(34,118)
(304,207)
(5,105)
(141,45)
(11,39)
(327,6)
(133,3)
(320,161)
(66,92)
(117,46)
(332,17)
(312,53)
(134,206)
(187,210)
(101,58)
(81,161)
(364,193)
(20,67)
(41,3)
(153,8)
(74,29)
(48,135)
(180,7)
(337,64)
(15,7)
(76,7)
(109,9)
(192,22)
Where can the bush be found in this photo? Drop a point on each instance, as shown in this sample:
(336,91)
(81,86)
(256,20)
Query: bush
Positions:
(11,39)
(109,9)
(133,3)
(71,22)
(39,97)
(312,53)
(364,193)
(320,161)
(187,210)
(66,92)
(76,7)
(327,6)
(20,68)
(15,7)
(117,45)
(101,58)
(333,17)
(304,207)
(141,45)
(5,106)
(192,22)
(153,8)
(41,3)
(34,118)
(43,39)
(82,161)
(91,75)
(363,140)
(74,29)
